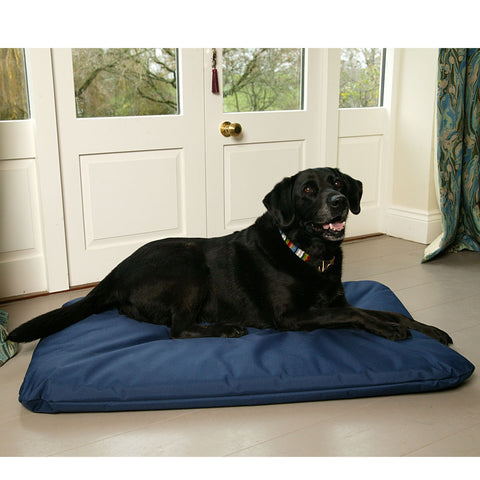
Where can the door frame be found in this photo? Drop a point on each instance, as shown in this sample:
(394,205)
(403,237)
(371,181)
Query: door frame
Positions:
(42,102)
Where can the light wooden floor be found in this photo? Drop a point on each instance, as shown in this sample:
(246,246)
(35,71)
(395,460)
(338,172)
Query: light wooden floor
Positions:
(444,292)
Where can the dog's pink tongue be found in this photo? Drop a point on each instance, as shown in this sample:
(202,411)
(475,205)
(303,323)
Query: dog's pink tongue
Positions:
(334,226)
(338,225)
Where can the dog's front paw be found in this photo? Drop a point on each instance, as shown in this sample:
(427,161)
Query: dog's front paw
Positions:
(396,332)
(232,331)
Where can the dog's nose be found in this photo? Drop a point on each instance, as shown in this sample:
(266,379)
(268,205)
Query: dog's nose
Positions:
(337,201)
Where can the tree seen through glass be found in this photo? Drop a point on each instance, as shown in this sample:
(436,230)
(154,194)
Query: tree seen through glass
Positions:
(113,82)
(262,79)
(360,77)
(14,103)
(144,81)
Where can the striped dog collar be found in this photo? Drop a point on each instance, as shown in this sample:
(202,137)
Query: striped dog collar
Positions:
(296,250)
(324,265)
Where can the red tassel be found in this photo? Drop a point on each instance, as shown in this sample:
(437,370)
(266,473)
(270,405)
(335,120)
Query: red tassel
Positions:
(215,88)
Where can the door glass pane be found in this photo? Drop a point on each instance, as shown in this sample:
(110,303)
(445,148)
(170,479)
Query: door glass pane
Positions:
(116,82)
(262,79)
(13,85)
(361,77)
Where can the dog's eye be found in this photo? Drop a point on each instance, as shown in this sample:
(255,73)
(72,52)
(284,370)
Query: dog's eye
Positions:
(308,189)
(337,183)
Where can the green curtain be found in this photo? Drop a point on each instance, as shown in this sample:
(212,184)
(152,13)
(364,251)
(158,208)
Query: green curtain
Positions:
(458,141)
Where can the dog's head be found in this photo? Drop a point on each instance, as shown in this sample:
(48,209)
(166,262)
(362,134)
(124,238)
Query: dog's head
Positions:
(316,200)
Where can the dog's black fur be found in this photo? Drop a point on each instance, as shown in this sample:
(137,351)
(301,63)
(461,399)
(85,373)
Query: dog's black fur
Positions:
(220,286)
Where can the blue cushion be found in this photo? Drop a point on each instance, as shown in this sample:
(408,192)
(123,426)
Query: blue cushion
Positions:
(109,362)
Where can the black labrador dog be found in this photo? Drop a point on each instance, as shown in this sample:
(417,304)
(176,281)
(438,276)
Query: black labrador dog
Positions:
(283,272)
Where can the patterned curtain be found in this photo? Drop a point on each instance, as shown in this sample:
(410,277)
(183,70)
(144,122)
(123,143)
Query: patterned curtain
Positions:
(458,140)
(7,348)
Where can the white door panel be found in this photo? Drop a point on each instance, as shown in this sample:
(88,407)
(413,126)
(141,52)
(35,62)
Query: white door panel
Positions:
(250,172)
(361,158)
(22,266)
(134,204)
(360,153)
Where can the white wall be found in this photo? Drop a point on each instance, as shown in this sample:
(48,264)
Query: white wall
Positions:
(413,212)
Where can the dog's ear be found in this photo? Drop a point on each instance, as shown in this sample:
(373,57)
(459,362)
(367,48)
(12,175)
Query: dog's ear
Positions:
(354,192)
(280,203)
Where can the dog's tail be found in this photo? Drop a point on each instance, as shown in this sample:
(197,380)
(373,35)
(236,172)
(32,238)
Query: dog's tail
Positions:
(100,299)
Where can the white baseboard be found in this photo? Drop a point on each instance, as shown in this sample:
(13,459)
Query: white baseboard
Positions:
(412,224)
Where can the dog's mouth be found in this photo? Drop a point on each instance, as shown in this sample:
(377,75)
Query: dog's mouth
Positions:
(332,230)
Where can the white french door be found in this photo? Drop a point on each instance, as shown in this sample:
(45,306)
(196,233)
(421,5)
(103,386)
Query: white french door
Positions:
(128,180)
(98,170)
(240,170)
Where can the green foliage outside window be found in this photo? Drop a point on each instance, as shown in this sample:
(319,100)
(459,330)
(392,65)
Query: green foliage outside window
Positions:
(262,79)
(144,81)
(111,82)
(13,85)
(360,77)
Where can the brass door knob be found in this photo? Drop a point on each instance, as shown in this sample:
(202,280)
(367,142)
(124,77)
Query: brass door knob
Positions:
(228,129)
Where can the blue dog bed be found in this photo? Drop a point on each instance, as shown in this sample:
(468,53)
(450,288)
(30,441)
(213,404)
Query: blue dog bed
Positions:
(109,362)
